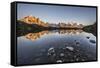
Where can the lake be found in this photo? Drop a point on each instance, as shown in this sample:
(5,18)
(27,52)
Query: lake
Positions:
(56,46)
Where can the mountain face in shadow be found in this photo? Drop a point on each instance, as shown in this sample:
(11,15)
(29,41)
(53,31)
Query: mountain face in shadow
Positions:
(91,29)
(24,28)
(31,24)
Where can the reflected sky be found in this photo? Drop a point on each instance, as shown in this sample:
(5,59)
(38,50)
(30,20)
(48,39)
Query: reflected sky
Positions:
(35,36)
(56,14)
(56,46)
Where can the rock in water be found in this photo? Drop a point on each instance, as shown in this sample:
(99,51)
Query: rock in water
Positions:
(77,43)
(59,61)
(92,41)
(51,51)
(87,37)
(70,48)
(61,54)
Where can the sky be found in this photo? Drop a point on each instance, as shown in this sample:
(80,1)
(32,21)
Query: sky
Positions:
(56,13)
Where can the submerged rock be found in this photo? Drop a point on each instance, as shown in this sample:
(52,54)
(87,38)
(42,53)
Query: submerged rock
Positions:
(77,43)
(92,41)
(77,59)
(75,40)
(70,48)
(59,61)
(83,59)
(61,54)
(87,37)
(51,51)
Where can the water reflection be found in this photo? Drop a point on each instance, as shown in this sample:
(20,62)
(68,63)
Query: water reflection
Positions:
(34,36)
(56,46)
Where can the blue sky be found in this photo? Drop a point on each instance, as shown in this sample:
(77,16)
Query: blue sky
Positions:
(56,14)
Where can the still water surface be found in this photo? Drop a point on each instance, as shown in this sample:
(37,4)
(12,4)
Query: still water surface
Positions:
(56,46)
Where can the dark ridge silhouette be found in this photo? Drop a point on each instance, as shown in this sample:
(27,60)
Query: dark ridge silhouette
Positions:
(91,29)
(24,28)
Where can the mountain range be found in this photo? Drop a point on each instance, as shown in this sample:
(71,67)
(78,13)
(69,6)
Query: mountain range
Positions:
(33,20)
(35,24)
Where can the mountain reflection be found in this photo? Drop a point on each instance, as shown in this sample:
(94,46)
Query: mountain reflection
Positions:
(34,36)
